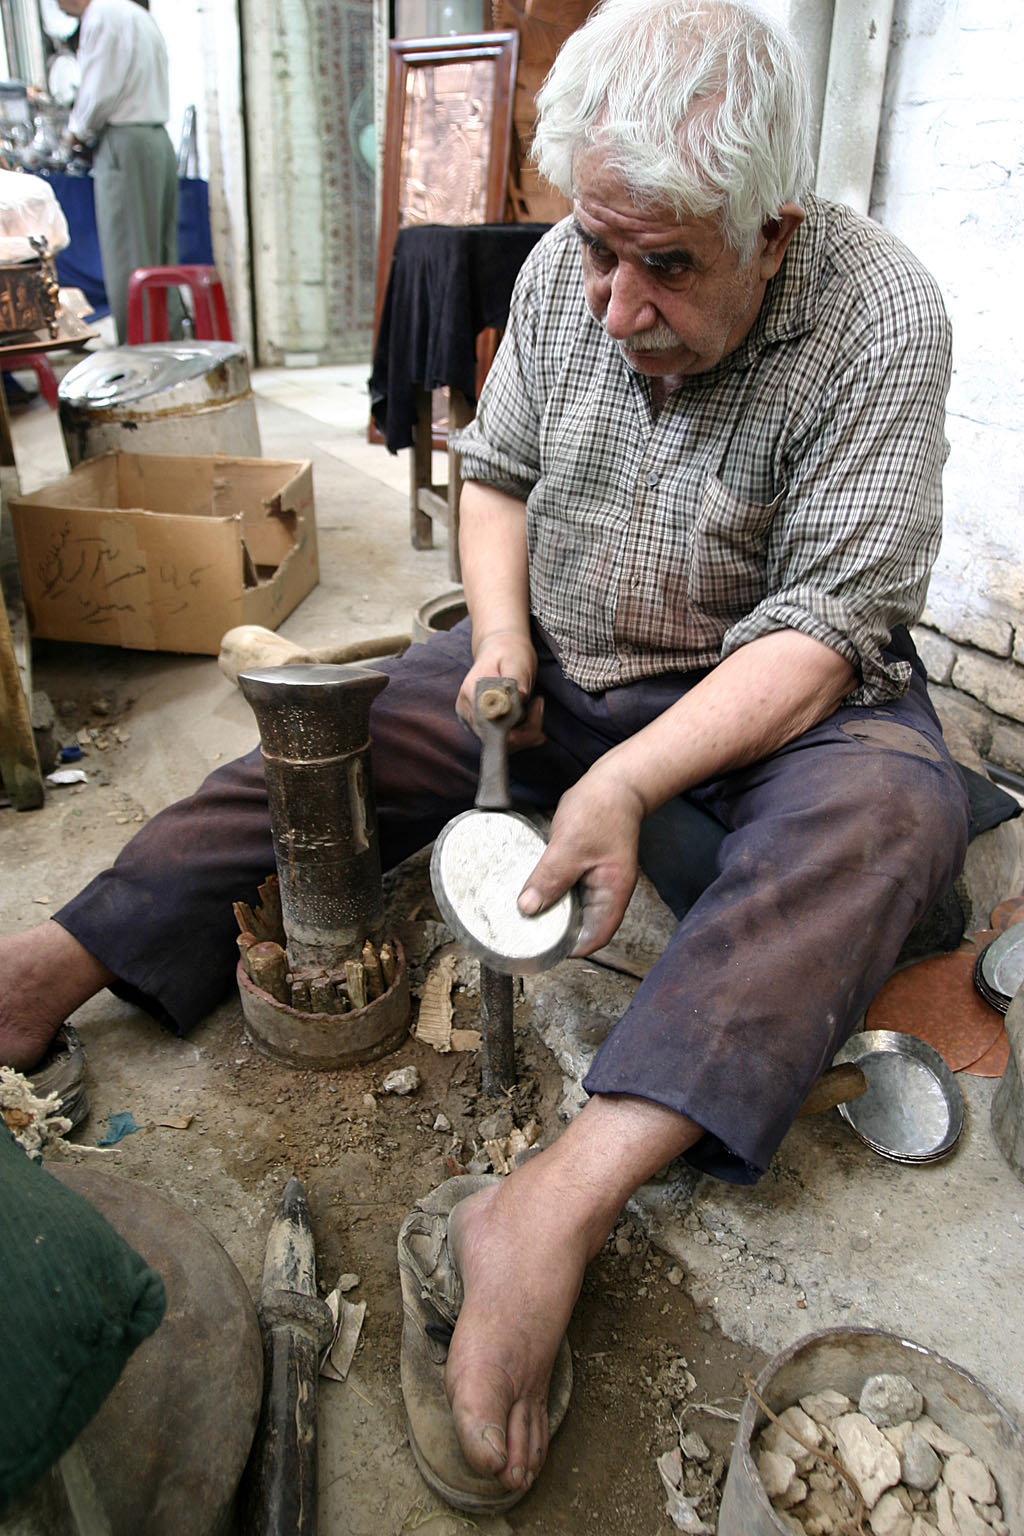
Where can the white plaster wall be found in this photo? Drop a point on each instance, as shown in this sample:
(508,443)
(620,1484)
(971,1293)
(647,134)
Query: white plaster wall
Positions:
(950,182)
(285,168)
(179,22)
(204,56)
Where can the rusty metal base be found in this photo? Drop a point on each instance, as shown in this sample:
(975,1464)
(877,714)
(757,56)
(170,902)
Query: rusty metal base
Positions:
(322,1040)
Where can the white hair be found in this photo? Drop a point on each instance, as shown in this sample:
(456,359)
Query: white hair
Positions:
(698,105)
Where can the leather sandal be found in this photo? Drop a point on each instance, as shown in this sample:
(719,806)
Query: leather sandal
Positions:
(62,1071)
(431,1299)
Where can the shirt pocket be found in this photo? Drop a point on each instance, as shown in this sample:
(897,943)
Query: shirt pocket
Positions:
(728,556)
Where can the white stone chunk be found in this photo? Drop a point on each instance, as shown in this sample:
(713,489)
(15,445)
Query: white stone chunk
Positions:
(821,1513)
(867,1456)
(825,1406)
(403,1080)
(944,1516)
(776,1472)
(775,1438)
(889,1398)
(967,1517)
(794,1494)
(970,1476)
(939,1439)
(889,1518)
(920,1466)
(693,1446)
(896,1434)
(922,1526)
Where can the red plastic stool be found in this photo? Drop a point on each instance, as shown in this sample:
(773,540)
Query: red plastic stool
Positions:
(209,307)
(43,371)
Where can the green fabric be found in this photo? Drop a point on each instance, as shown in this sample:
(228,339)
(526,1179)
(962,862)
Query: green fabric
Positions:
(75,1301)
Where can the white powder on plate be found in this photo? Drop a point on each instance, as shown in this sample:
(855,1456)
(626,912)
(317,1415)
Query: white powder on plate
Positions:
(483,862)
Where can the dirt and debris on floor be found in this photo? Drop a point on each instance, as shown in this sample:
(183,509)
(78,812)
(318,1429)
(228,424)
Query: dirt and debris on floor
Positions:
(220,1128)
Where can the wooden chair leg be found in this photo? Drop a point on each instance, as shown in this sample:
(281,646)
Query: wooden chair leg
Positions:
(420,526)
(460,415)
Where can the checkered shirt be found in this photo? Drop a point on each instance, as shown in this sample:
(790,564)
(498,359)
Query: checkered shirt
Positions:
(796,485)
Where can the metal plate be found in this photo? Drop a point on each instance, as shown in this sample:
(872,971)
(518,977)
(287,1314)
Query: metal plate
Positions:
(995,1060)
(999,973)
(479,865)
(168,1446)
(912,1111)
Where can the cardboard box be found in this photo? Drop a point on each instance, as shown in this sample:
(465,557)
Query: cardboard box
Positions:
(163,552)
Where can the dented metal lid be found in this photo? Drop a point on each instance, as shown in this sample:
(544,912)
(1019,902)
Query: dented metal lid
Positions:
(164,374)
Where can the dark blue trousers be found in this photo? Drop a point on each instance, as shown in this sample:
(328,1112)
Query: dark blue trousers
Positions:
(796,881)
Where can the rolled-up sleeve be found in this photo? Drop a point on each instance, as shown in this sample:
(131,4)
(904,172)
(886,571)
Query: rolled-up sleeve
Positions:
(501,445)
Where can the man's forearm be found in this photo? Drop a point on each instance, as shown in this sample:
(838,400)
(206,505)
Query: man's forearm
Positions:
(492,549)
(761,697)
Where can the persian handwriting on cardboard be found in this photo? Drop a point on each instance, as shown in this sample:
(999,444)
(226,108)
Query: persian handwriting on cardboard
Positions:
(166,552)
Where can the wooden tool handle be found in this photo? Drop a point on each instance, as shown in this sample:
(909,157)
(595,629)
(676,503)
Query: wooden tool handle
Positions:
(497,706)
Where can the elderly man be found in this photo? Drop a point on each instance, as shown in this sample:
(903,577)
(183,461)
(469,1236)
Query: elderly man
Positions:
(119,117)
(703,502)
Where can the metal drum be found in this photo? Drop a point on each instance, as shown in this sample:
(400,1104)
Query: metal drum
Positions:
(188,397)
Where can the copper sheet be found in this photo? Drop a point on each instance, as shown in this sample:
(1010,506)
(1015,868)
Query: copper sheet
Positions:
(937,1001)
(995,1060)
(1007,912)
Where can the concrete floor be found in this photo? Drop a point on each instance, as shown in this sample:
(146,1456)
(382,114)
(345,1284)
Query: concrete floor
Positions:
(834,1235)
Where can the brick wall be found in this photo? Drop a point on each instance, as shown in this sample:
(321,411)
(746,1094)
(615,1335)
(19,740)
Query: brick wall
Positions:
(948,182)
(981,690)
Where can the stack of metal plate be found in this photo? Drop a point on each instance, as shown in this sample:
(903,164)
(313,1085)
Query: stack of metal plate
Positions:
(913,1110)
(999,969)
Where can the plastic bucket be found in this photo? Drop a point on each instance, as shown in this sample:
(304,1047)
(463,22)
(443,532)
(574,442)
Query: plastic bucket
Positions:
(843,1358)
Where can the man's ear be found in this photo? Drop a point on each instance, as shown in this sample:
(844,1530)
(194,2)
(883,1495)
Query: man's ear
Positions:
(777,233)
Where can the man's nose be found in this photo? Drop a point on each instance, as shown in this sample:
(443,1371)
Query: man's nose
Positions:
(629,306)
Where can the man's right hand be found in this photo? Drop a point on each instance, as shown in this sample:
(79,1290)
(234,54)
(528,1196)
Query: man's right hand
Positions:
(505,653)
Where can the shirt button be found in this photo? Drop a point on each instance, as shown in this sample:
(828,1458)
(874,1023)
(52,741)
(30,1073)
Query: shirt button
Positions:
(651,479)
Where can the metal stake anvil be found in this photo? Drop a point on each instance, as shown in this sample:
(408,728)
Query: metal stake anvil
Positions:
(315,734)
(315,738)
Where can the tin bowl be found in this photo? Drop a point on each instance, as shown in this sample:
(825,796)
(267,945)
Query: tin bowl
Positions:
(999,969)
(913,1110)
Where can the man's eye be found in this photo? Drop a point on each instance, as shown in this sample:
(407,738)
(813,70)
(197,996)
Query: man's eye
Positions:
(598,253)
(669,269)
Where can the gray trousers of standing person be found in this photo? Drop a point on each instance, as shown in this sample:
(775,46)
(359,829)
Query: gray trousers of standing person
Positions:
(135,185)
(796,881)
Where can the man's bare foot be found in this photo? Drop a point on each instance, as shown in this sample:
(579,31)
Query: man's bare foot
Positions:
(501,1356)
(45,974)
(522,1247)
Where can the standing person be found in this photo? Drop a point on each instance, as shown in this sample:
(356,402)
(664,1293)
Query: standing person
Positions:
(120,110)
(702,502)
